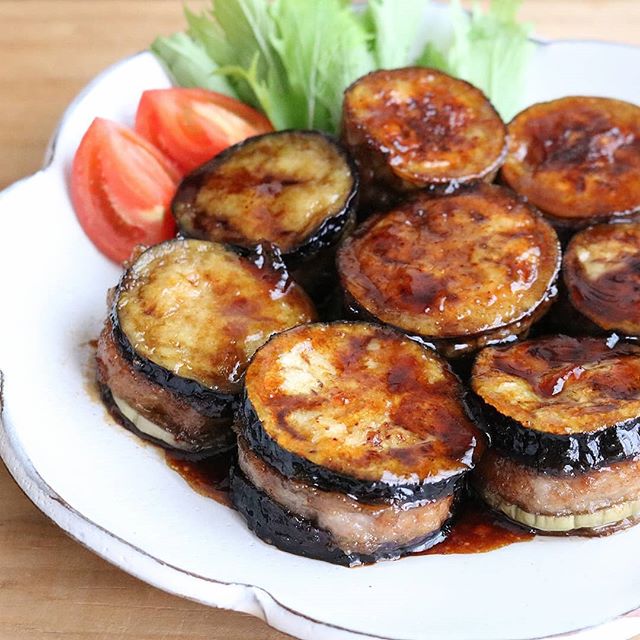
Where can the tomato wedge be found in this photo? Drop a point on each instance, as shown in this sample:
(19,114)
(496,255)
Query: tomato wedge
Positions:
(121,188)
(192,125)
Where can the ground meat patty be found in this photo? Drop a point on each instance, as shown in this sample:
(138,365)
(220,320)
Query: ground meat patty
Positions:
(592,501)
(355,527)
(191,429)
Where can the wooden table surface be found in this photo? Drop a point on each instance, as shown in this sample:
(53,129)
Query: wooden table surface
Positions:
(49,585)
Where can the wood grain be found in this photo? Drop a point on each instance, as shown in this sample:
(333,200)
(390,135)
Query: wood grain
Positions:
(50,586)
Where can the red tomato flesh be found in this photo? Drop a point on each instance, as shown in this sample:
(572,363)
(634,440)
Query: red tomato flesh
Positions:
(121,188)
(192,125)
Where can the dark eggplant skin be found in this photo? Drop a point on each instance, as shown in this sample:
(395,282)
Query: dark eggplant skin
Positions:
(325,237)
(296,467)
(557,454)
(290,532)
(209,402)
(222,440)
(462,349)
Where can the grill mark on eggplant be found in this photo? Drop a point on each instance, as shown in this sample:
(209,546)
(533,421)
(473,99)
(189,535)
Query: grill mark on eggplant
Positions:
(448,442)
(290,532)
(194,221)
(577,158)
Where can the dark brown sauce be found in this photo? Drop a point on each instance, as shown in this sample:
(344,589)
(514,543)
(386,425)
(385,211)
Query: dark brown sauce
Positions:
(548,365)
(614,297)
(478,530)
(208,477)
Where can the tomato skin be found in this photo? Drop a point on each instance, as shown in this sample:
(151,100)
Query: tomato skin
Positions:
(121,189)
(192,125)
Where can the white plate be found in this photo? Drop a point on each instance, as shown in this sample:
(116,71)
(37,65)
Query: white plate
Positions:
(118,497)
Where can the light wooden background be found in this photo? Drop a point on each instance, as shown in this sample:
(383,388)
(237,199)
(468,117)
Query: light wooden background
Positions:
(50,587)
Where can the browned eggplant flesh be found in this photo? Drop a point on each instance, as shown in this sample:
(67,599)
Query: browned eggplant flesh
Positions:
(418,128)
(185,318)
(577,159)
(563,414)
(294,189)
(601,271)
(358,430)
(460,272)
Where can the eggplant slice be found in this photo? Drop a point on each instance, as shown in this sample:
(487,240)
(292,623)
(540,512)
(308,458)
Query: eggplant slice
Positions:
(418,128)
(458,272)
(601,271)
(185,318)
(563,414)
(296,190)
(577,159)
(358,432)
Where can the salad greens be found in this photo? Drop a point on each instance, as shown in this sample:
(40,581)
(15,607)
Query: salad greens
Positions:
(293,59)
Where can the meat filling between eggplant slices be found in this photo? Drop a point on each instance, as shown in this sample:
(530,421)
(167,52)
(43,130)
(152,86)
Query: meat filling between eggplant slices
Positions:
(359,434)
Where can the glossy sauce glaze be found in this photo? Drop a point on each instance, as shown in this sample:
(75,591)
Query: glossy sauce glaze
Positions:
(422,128)
(279,187)
(351,397)
(562,385)
(453,267)
(601,269)
(577,158)
(197,310)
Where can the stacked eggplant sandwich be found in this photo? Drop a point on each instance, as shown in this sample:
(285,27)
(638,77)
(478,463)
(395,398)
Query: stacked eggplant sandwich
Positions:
(184,320)
(353,443)
(564,418)
(355,439)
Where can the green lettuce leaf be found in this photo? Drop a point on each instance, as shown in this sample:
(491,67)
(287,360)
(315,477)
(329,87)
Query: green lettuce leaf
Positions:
(395,29)
(188,63)
(322,50)
(293,59)
(491,50)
